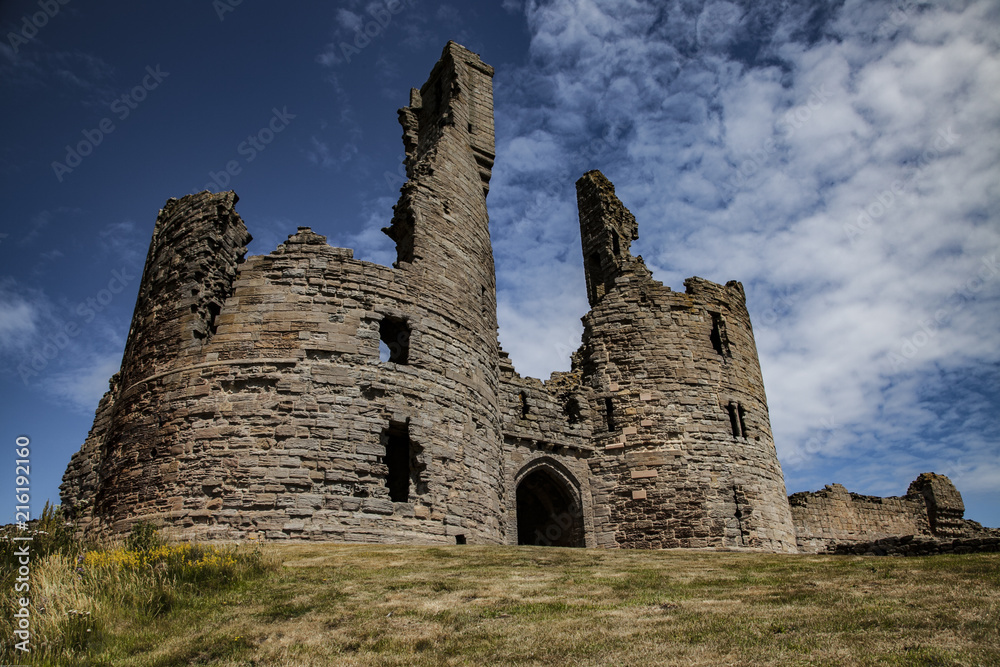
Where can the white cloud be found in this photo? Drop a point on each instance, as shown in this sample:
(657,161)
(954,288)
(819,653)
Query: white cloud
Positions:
(751,150)
(359,24)
(320,153)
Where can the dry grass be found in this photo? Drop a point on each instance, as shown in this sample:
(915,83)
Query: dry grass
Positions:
(467,605)
(90,604)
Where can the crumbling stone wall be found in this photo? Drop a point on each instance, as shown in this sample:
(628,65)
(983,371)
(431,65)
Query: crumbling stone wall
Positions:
(834,515)
(833,518)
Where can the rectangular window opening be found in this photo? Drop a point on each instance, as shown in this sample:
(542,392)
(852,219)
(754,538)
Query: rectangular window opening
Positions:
(609,411)
(398,453)
(395,335)
(574,415)
(525,408)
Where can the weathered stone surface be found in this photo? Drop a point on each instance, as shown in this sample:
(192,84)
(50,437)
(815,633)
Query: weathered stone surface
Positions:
(253,400)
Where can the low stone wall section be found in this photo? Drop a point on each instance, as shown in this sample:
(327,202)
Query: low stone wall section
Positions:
(910,545)
(835,515)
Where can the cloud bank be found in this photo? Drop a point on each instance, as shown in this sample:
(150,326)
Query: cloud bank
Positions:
(840,159)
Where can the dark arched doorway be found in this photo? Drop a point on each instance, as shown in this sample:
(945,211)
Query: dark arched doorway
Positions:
(548,513)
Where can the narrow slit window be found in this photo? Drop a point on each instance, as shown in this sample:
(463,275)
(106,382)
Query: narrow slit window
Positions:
(609,413)
(213,312)
(438,95)
(734,420)
(525,408)
(616,247)
(743,424)
(395,335)
(596,284)
(719,337)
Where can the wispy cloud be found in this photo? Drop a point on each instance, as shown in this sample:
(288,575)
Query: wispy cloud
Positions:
(123,242)
(35,227)
(359,24)
(61,345)
(20,316)
(83,77)
(321,155)
(370,243)
(82,387)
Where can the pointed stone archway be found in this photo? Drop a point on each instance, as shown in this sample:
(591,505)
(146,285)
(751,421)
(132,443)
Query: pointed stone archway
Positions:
(549,512)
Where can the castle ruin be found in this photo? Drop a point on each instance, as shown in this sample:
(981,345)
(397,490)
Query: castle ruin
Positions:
(253,400)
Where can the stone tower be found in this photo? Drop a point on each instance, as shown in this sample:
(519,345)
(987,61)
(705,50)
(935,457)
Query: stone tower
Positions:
(253,398)
(683,449)
(197,245)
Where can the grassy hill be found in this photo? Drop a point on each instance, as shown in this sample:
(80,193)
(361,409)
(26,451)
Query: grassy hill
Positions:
(333,604)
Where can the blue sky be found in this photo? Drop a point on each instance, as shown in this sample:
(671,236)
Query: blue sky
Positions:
(840,159)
